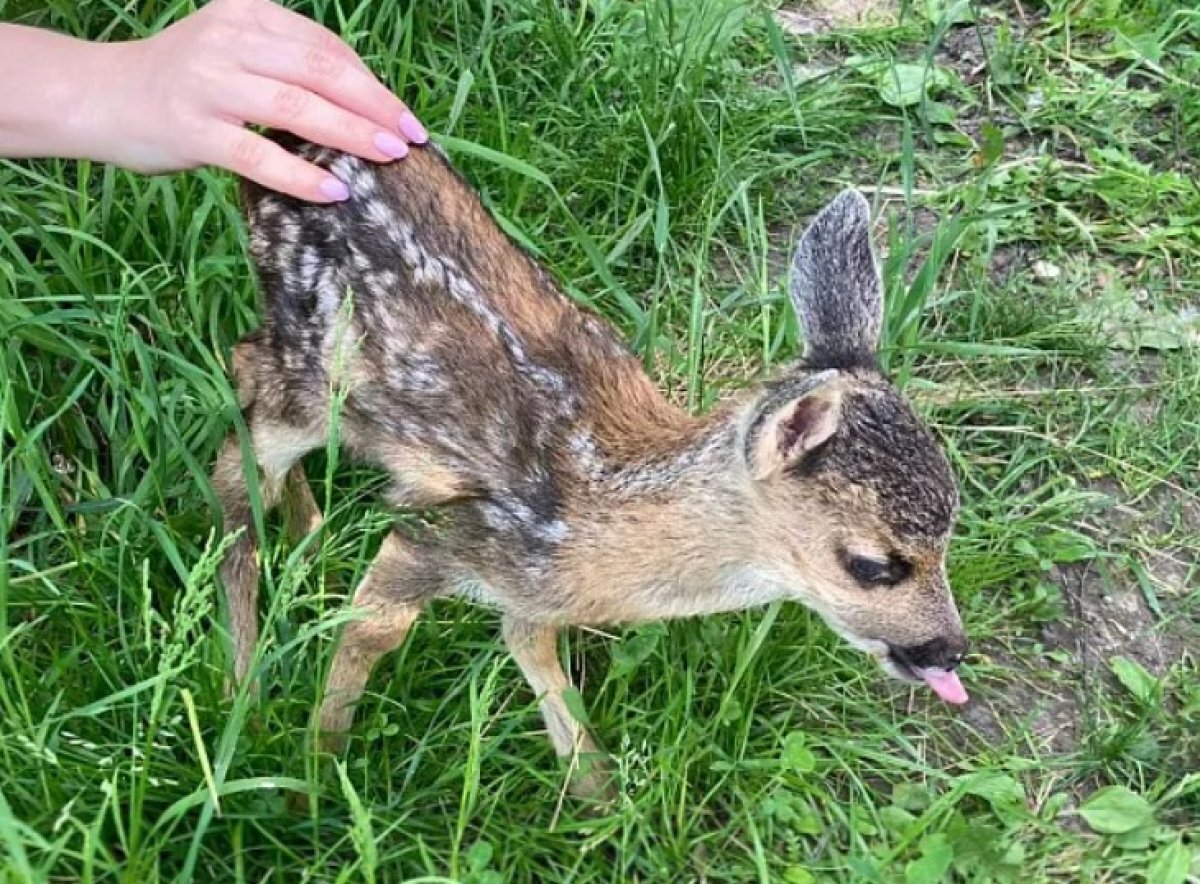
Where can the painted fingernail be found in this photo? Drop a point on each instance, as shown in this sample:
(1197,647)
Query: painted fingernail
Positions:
(334,189)
(389,144)
(412,129)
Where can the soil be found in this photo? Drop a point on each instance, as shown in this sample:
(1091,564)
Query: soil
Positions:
(1107,615)
(819,16)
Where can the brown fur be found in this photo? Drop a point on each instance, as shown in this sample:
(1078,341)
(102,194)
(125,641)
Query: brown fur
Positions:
(570,491)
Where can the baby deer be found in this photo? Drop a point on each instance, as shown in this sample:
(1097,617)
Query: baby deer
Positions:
(569,490)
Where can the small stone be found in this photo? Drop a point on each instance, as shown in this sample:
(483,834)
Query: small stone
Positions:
(799,23)
(1046,271)
(811,17)
(804,73)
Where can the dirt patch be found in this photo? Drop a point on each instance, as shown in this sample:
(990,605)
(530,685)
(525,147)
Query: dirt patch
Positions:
(1160,531)
(1109,612)
(1009,260)
(1110,618)
(966,50)
(1041,690)
(821,16)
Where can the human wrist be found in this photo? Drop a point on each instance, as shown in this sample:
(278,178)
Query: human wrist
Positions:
(92,96)
(45,75)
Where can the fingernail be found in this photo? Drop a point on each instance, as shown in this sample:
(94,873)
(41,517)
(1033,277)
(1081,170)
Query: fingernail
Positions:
(334,189)
(412,129)
(391,145)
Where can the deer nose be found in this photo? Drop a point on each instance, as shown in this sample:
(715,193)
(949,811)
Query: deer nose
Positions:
(939,653)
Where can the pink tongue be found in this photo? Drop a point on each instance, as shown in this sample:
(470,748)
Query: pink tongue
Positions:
(945,684)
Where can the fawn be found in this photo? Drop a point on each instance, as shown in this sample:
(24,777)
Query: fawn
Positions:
(569,490)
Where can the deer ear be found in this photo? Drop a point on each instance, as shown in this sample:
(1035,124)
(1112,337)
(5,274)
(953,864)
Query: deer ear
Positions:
(835,286)
(792,430)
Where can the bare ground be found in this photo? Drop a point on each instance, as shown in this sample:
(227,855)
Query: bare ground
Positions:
(1055,681)
(819,16)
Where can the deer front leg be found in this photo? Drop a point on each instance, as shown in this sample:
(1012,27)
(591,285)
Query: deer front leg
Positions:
(385,623)
(534,647)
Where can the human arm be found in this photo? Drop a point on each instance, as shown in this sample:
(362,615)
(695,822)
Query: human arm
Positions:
(181,98)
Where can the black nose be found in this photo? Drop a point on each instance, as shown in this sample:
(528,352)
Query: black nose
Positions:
(939,653)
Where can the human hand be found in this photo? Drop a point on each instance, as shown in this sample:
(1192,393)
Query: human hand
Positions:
(183,97)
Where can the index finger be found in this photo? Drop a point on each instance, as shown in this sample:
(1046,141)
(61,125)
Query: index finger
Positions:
(312,56)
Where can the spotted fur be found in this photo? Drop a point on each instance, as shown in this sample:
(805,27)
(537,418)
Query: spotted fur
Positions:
(568,489)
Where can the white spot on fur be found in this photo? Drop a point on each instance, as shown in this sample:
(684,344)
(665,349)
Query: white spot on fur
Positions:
(427,269)
(583,447)
(361,262)
(309,267)
(424,375)
(475,590)
(267,209)
(378,214)
(555,531)
(497,517)
(258,243)
(288,231)
(356,175)
(329,292)
(382,284)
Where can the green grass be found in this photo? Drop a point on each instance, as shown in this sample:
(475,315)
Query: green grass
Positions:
(659,157)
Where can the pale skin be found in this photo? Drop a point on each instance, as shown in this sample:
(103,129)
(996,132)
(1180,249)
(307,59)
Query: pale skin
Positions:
(183,98)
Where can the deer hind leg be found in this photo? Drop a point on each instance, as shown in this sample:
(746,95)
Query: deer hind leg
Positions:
(277,446)
(301,515)
(388,602)
(534,647)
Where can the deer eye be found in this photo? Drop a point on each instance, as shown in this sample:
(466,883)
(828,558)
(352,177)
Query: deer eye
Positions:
(876,572)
